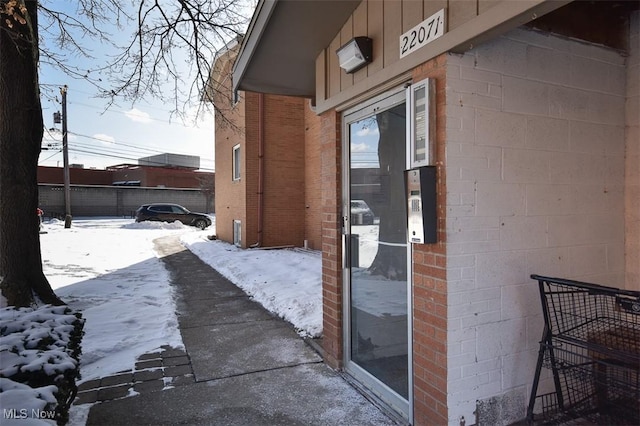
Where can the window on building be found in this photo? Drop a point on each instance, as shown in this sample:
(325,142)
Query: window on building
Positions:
(236,162)
(237,233)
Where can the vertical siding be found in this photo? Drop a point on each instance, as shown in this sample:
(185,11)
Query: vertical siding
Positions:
(334,71)
(392,30)
(360,27)
(375,29)
(411,14)
(346,34)
(384,21)
(249,178)
(432,6)
(461,11)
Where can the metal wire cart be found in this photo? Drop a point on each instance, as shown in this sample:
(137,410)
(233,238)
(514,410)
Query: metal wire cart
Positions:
(591,344)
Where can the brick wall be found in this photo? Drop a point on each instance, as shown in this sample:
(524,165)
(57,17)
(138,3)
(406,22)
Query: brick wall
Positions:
(76,176)
(535,184)
(230,194)
(283,168)
(312,181)
(148,176)
(331,155)
(250,166)
(284,174)
(632,164)
(94,200)
(430,282)
(164,177)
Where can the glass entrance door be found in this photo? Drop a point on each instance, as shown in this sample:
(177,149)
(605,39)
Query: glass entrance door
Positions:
(377,322)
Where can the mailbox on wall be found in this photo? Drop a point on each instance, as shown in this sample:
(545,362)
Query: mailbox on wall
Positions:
(421,205)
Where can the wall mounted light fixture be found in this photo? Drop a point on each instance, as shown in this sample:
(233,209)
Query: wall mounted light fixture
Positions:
(355,54)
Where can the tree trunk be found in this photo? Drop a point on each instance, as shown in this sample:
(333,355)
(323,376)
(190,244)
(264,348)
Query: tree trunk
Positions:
(391,258)
(21,129)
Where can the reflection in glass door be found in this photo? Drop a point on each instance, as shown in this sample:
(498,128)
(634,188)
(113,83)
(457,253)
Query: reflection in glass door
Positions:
(377,339)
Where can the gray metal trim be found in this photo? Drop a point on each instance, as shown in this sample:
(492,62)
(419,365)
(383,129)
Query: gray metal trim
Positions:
(279,52)
(258,23)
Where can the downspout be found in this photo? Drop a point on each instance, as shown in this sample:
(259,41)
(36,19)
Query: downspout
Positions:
(260,168)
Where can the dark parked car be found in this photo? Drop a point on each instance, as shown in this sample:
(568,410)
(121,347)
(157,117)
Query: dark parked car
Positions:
(170,213)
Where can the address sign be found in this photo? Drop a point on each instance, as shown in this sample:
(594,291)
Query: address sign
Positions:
(422,34)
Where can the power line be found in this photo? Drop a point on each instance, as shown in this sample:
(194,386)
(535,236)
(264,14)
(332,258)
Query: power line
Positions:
(141,148)
(109,155)
(98,154)
(51,156)
(107,151)
(130,145)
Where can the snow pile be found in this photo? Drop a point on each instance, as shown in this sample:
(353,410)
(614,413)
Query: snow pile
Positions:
(106,268)
(154,225)
(286,282)
(39,350)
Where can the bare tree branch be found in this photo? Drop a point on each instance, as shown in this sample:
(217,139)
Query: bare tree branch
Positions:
(169,55)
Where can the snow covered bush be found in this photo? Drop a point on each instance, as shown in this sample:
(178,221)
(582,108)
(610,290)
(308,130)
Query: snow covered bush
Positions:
(39,361)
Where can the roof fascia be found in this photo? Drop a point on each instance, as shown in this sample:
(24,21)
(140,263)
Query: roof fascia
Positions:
(258,23)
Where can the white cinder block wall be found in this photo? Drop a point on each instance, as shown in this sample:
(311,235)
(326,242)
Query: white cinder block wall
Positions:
(632,190)
(535,184)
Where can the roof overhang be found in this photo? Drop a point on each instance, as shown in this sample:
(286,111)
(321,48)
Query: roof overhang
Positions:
(284,38)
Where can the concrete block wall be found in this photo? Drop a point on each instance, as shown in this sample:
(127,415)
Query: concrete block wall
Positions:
(94,200)
(535,184)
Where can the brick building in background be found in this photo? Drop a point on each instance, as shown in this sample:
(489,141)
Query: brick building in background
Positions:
(267,169)
(77,175)
(157,176)
(120,189)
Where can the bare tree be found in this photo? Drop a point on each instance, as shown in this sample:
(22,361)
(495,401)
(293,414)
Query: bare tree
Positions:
(391,259)
(207,185)
(169,55)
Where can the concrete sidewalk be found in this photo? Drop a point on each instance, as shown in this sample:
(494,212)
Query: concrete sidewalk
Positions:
(241,366)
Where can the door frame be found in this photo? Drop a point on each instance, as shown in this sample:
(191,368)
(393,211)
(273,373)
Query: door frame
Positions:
(372,385)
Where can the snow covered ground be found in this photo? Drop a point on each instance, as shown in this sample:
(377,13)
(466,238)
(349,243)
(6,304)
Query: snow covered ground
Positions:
(286,282)
(107,269)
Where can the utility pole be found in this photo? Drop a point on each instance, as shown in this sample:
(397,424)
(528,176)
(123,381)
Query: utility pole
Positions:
(65,159)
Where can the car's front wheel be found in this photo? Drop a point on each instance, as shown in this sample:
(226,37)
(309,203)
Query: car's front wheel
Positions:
(200,224)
